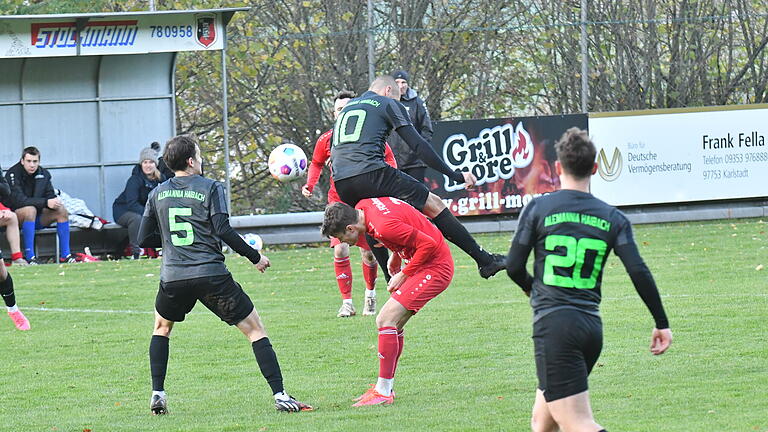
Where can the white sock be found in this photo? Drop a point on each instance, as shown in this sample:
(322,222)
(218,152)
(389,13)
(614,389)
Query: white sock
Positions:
(281,396)
(347,301)
(370,293)
(384,386)
(13,308)
(158,393)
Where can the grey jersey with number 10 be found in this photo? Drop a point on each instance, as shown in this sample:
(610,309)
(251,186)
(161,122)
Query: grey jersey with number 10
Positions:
(183,207)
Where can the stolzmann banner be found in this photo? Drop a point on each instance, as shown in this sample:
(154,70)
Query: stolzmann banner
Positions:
(122,34)
(681,157)
(512,158)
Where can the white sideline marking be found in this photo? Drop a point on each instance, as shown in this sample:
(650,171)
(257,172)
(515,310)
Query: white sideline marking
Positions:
(105,311)
(133,312)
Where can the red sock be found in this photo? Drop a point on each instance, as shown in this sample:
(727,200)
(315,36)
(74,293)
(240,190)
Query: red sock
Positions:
(343,276)
(16,256)
(369,274)
(400,344)
(388,348)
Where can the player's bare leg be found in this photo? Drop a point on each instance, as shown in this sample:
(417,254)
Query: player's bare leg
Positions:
(541,419)
(488,264)
(254,330)
(574,414)
(10,221)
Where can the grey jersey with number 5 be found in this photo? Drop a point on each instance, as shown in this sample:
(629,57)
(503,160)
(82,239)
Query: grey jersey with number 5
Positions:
(357,146)
(183,207)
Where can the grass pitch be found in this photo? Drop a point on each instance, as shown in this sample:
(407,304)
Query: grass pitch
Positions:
(467,364)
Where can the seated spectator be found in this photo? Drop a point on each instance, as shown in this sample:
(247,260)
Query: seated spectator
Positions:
(128,208)
(36,204)
(10,222)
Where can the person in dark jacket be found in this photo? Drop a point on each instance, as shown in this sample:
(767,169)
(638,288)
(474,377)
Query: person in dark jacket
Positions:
(36,204)
(407,159)
(10,223)
(128,208)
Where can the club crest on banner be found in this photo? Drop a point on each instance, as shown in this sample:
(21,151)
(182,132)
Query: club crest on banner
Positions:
(206,29)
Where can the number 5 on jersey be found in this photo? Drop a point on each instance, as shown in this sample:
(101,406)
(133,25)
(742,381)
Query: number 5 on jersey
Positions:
(184,227)
(340,135)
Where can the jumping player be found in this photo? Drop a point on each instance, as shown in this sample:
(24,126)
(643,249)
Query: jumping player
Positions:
(191,214)
(320,157)
(360,172)
(6,282)
(412,237)
(571,233)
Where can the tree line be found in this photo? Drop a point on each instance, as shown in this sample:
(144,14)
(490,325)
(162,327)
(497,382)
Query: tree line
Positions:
(467,59)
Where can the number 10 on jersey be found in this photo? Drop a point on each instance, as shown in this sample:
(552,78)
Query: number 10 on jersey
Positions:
(340,135)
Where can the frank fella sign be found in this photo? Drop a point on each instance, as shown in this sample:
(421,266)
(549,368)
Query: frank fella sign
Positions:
(513,160)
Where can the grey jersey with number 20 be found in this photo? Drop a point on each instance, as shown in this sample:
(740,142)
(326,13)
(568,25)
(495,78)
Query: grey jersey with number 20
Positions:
(183,207)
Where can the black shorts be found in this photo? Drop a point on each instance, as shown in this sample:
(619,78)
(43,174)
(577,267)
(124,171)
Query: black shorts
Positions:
(567,344)
(220,294)
(383,182)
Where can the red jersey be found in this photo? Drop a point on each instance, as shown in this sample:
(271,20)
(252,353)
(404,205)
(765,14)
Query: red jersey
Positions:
(320,157)
(405,231)
(2,207)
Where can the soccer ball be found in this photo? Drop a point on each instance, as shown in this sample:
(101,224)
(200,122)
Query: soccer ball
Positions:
(287,162)
(254,241)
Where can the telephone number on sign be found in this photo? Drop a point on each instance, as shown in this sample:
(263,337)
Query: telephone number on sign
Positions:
(179,31)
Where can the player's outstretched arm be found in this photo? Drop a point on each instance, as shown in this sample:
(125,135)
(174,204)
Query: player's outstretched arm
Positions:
(516,259)
(426,153)
(646,288)
(227,234)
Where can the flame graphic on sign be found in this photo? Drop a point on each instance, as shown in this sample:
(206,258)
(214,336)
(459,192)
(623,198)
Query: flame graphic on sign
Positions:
(522,147)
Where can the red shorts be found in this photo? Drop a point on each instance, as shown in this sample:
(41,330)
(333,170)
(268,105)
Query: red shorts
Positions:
(424,285)
(362,243)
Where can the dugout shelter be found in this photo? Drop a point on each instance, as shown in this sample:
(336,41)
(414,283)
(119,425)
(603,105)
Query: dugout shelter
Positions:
(91,90)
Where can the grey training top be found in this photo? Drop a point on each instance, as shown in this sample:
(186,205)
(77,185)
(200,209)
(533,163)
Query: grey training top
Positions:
(183,207)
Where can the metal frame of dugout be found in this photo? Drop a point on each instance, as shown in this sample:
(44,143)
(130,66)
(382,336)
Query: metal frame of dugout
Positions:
(91,90)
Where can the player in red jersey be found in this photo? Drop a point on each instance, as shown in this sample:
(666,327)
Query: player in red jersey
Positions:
(412,237)
(321,157)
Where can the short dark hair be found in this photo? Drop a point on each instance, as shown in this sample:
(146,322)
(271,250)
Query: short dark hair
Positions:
(337,216)
(31,150)
(178,150)
(345,94)
(576,152)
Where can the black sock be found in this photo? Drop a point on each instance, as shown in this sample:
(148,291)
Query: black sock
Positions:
(602,430)
(6,290)
(158,361)
(455,233)
(267,360)
(381,254)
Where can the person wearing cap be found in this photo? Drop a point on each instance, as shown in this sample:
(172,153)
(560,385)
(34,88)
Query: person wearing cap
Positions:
(407,159)
(128,208)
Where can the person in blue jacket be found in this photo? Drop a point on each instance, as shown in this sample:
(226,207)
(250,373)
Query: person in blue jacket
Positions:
(128,208)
